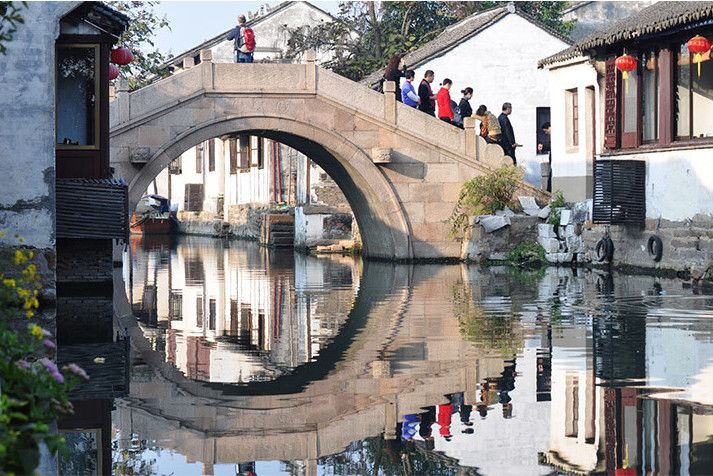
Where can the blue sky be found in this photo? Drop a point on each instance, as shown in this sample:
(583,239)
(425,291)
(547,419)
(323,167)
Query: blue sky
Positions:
(194,22)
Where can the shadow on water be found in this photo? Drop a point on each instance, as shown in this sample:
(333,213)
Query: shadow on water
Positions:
(356,368)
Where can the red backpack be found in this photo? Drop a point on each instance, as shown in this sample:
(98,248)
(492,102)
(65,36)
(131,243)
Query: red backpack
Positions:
(248,43)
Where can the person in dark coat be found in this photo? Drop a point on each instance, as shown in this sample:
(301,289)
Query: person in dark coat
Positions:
(464,106)
(508,135)
(394,73)
(425,94)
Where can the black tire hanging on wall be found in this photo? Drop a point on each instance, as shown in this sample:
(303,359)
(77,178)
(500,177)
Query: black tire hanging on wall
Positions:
(605,250)
(655,247)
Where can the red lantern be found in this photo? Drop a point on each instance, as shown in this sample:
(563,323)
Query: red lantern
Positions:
(113,72)
(625,63)
(122,56)
(698,45)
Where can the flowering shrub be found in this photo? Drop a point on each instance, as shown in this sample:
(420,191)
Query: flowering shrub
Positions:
(34,392)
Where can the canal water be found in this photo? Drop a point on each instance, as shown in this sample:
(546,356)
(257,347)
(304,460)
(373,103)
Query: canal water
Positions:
(251,361)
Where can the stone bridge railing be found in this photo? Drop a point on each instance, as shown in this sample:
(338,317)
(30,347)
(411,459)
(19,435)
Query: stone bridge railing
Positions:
(272,81)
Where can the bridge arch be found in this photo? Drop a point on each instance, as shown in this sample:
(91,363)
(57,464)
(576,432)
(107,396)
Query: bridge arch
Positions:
(382,222)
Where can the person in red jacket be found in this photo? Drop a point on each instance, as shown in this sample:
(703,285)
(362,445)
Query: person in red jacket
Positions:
(443,99)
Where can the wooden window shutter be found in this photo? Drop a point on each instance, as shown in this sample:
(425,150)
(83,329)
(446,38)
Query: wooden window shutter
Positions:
(211,155)
(233,146)
(611,109)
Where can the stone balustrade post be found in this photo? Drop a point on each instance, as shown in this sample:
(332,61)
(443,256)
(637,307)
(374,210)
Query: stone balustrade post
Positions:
(390,101)
(471,138)
(310,58)
(123,103)
(188,62)
(208,72)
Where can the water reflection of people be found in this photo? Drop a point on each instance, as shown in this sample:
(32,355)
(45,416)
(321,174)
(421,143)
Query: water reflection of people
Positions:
(506,384)
(444,420)
(428,418)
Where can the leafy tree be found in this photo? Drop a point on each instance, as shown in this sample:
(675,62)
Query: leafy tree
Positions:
(366,34)
(10,18)
(143,25)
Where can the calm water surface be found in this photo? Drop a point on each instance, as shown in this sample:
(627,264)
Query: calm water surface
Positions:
(248,361)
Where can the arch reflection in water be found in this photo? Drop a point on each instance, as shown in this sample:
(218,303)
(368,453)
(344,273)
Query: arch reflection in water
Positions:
(236,314)
(549,371)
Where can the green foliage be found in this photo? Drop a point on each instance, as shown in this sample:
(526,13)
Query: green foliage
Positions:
(527,254)
(34,393)
(484,195)
(367,34)
(143,25)
(556,203)
(10,18)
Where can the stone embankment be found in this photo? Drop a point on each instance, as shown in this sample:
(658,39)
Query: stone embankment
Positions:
(682,248)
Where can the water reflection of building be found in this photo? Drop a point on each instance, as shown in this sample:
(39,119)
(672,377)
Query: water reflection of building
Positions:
(225,313)
(626,391)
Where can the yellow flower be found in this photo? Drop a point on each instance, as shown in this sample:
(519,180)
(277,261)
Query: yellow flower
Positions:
(9,282)
(20,257)
(30,314)
(2,234)
(36,331)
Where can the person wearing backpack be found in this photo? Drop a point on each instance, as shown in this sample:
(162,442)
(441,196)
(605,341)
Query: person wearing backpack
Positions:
(244,38)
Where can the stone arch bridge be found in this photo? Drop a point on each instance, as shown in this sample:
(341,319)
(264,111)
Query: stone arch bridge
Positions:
(401,170)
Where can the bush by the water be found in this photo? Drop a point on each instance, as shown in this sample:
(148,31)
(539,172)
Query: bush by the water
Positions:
(527,254)
(484,195)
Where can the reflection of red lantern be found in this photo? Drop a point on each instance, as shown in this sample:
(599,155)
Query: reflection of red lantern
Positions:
(113,72)
(625,63)
(625,472)
(698,45)
(122,56)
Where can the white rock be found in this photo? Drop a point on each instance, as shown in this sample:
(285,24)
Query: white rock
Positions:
(506,212)
(551,245)
(574,244)
(490,223)
(529,206)
(498,256)
(569,231)
(565,216)
(544,213)
(545,230)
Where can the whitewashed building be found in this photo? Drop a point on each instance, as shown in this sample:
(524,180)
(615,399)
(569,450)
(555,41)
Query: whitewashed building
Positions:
(663,119)
(224,184)
(496,52)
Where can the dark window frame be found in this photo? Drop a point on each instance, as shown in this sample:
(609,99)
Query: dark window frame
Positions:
(244,153)
(211,155)
(199,158)
(233,152)
(666,108)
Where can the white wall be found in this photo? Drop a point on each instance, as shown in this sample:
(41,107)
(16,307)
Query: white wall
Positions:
(271,35)
(503,71)
(567,162)
(27,147)
(679,183)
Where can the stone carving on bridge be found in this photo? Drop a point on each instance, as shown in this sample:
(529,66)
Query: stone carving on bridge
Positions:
(381,155)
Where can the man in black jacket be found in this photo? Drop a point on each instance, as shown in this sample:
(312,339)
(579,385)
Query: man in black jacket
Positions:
(425,93)
(508,135)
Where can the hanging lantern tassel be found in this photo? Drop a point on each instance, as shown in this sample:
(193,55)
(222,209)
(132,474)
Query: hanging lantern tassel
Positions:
(625,63)
(697,46)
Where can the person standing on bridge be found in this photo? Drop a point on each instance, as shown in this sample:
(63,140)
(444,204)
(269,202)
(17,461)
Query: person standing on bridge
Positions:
(445,110)
(508,134)
(425,93)
(408,92)
(244,38)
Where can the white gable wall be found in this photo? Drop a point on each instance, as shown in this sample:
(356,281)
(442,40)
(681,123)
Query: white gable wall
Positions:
(500,64)
(271,35)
